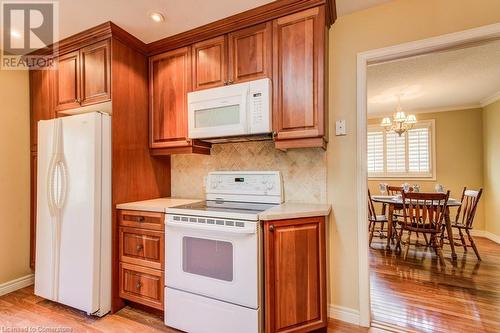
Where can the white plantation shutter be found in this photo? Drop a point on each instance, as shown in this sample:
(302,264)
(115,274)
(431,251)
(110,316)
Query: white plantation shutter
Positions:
(395,152)
(409,155)
(418,150)
(375,152)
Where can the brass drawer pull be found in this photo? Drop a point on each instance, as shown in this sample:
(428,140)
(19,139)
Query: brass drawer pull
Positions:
(134,218)
(139,248)
(138,286)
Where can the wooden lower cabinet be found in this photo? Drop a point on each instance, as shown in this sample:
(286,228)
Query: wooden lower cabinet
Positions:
(142,285)
(141,257)
(295,275)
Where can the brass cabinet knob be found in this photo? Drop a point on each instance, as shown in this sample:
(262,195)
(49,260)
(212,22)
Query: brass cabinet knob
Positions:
(138,285)
(139,248)
(271,228)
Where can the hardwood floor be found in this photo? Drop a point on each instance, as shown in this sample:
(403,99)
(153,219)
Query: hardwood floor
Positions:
(22,309)
(418,295)
(412,295)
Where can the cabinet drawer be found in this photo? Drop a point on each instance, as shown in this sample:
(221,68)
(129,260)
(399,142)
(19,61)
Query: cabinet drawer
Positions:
(140,219)
(142,247)
(142,285)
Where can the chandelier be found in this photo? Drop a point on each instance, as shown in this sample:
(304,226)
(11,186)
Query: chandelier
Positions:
(400,122)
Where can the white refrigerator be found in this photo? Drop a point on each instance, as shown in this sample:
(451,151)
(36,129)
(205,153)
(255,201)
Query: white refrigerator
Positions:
(73,232)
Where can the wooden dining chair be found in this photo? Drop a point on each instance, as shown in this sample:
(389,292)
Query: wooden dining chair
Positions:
(424,213)
(374,219)
(465,218)
(395,190)
(398,213)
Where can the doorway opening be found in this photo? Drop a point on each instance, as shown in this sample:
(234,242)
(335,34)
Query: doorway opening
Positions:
(449,84)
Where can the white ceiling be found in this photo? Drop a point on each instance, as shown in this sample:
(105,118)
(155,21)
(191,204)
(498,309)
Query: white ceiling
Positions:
(133,15)
(460,78)
(180,15)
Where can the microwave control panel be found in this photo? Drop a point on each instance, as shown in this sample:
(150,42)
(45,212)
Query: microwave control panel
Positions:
(260,106)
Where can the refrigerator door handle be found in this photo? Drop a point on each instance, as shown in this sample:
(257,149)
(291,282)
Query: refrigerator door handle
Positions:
(62,175)
(51,186)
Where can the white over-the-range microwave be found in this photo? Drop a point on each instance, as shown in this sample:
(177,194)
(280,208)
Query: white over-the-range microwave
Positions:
(242,109)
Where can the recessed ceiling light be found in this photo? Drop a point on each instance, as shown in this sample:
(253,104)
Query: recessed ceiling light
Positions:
(15,34)
(157,17)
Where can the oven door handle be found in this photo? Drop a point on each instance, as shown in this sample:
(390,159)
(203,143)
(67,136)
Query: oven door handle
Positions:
(214,228)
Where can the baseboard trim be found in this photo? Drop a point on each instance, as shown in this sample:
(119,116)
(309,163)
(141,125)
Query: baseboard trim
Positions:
(341,313)
(486,234)
(17,284)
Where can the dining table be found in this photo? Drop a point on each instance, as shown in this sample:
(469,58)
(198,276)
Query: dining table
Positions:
(395,202)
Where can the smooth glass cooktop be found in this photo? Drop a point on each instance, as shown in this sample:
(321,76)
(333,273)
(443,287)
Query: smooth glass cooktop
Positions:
(227,206)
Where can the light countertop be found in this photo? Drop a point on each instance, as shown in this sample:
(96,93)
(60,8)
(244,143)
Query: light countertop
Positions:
(156,205)
(292,210)
(287,210)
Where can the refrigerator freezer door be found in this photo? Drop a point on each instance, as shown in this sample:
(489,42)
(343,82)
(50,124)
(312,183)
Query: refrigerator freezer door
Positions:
(44,266)
(80,216)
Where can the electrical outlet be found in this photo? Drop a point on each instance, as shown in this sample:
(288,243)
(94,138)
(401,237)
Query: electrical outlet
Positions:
(340,128)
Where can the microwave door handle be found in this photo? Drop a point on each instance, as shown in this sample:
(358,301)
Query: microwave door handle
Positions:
(231,230)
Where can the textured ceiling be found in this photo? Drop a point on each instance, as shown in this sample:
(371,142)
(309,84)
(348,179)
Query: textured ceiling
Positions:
(457,78)
(180,15)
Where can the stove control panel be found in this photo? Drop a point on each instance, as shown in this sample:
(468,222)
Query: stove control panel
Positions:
(246,186)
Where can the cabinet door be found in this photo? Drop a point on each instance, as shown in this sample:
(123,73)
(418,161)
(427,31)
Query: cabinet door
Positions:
(33,209)
(42,100)
(295,299)
(68,81)
(250,53)
(298,65)
(95,72)
(169,83)
(209,63)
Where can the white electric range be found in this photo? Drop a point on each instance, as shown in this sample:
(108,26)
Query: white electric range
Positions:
(214,254)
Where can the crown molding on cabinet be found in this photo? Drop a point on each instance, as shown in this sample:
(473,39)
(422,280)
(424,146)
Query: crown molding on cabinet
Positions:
(100,32)
(239,21)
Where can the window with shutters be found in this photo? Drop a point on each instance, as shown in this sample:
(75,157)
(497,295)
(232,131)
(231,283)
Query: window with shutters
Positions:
(410,155)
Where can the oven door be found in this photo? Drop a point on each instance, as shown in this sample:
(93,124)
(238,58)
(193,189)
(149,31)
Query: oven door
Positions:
(217,261)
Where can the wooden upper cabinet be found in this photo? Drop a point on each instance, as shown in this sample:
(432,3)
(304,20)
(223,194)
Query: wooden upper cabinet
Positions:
(95,73)
(84,76)
(42,100)
(169,83)
(68,81)
(209,63)
(250,53)
(298,79)
(295,266)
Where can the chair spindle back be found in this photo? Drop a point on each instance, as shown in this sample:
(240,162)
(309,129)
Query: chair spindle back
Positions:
(371,208)
(467,211)
(424,211)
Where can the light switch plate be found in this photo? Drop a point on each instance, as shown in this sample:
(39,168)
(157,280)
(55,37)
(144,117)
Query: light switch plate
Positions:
(340,128)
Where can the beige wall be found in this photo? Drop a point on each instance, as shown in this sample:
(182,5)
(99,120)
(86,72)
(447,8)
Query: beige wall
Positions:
(459,155)
(14,175)
(303,170)
(389,24)
(491,119)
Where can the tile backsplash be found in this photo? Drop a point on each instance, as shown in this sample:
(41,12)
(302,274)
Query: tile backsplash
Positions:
(303,170)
